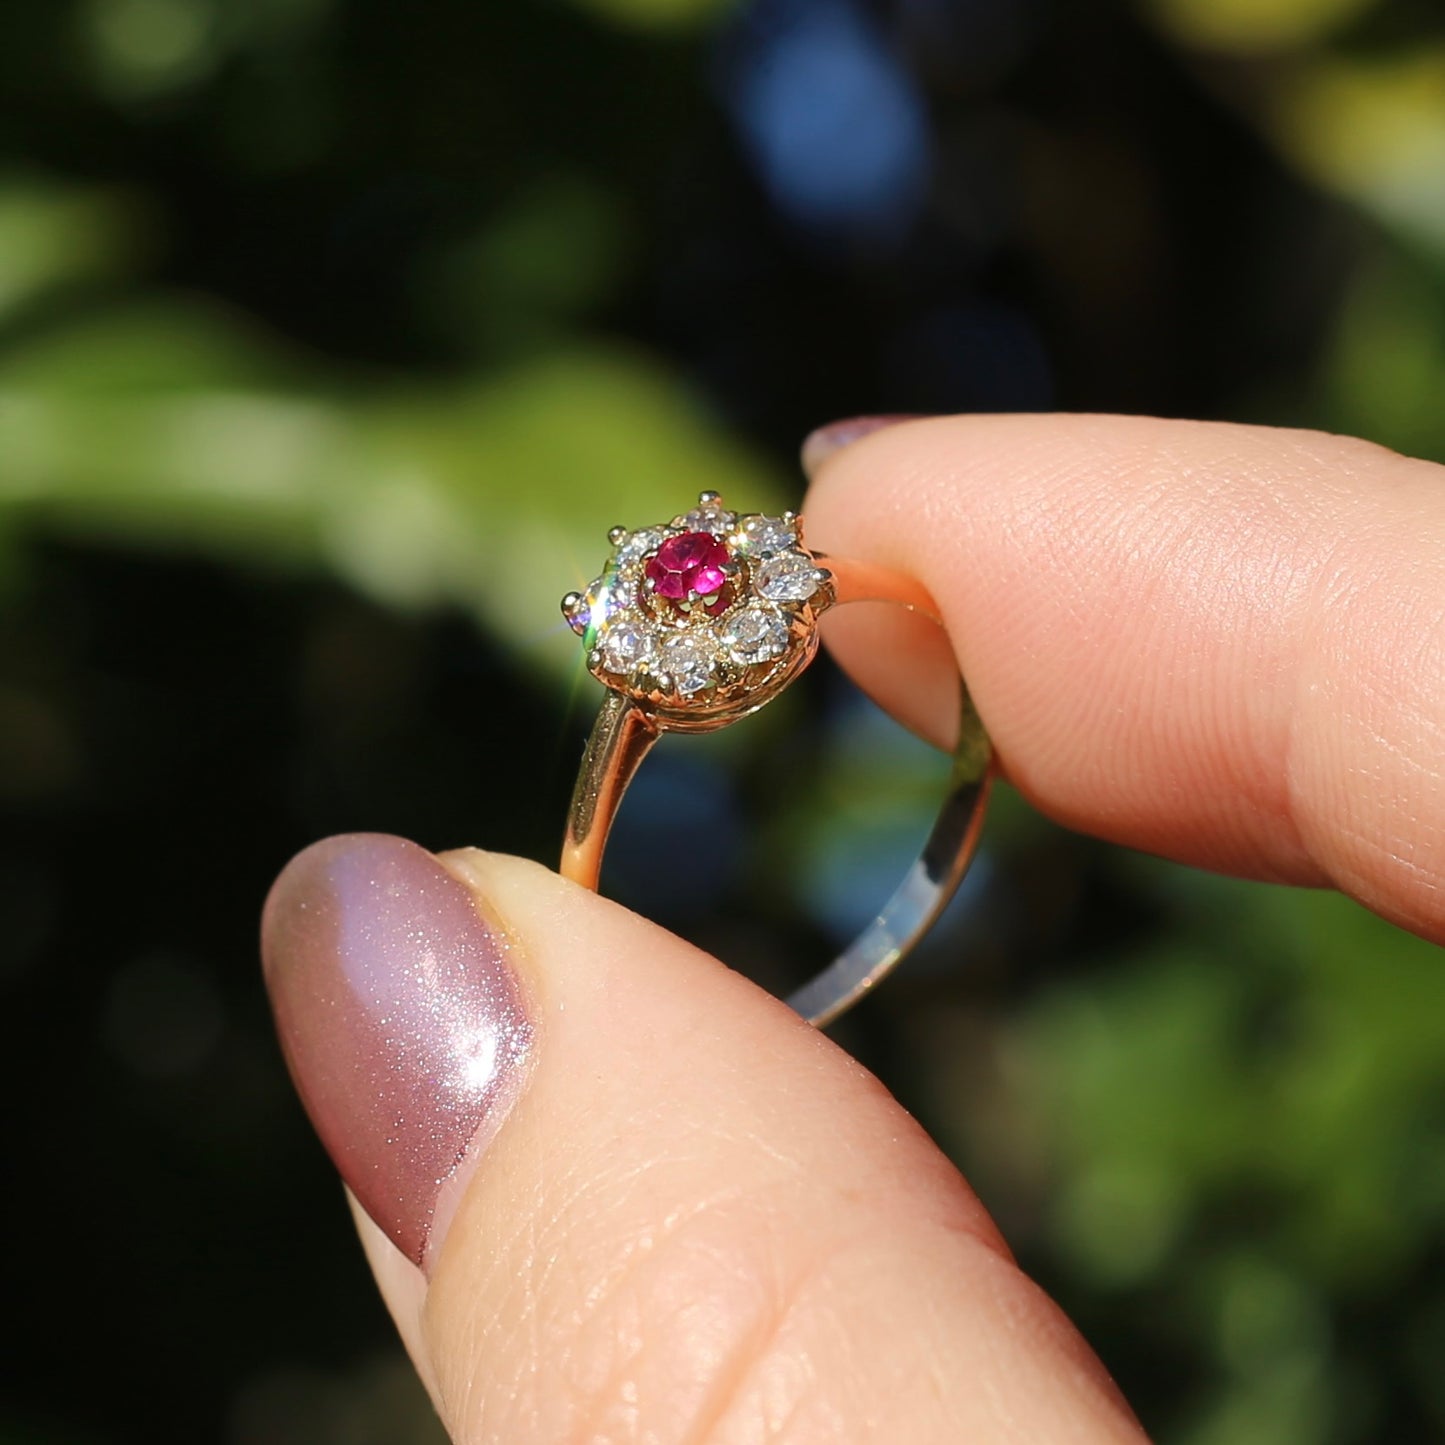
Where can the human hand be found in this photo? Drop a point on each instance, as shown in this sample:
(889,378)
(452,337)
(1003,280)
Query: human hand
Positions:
(682,1214)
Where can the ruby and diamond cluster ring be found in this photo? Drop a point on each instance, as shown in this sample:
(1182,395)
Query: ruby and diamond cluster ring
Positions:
(704,616)
(694,623)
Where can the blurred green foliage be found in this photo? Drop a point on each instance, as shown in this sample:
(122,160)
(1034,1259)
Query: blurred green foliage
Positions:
(1209,1112)
(1300,1039)
(168,421)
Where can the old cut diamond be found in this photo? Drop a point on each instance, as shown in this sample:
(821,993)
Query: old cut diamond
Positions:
(710,517)
(598,603)
(754,634)
(788,577)
(759,535)
(627,645)
(687,659)
(640,543)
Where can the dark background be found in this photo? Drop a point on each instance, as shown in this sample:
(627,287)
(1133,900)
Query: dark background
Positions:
(333,336)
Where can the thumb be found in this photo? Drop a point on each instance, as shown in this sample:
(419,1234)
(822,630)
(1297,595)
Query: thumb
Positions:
(613,1192)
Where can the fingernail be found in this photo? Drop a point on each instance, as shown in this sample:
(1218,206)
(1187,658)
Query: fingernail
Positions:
(828,440)
(401,1020)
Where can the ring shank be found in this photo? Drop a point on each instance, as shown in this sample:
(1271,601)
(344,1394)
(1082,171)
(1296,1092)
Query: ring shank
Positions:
(623,735)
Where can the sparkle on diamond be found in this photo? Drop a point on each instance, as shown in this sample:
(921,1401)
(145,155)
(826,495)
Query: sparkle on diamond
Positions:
(598,602)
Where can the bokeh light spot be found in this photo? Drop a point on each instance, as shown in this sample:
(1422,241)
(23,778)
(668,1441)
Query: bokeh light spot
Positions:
(832,122)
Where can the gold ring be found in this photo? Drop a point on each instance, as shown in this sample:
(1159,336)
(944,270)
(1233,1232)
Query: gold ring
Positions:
(695,623)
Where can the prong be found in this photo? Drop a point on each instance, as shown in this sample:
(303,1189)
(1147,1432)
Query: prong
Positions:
(617,536)
(791,518)
(709,499)
(822,576)
(594,659)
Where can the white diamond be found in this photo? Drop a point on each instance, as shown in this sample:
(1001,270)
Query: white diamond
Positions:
(596,603)
(640,543)
(627,645)
(688,661)
(788,577)
(755,634)
(707,517)
(767,534)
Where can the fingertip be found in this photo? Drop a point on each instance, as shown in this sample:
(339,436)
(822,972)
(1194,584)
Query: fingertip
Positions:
(825,442)
(1192,638)
(697,1212)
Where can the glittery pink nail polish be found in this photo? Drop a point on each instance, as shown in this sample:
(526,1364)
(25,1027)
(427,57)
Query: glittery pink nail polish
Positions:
(828,440)
(401,1020)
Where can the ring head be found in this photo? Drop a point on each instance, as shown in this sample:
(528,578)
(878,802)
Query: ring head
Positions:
(702,620)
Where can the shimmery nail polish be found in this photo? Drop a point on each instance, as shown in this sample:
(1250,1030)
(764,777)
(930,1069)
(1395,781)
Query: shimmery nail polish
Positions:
(401,1020)
(823,443)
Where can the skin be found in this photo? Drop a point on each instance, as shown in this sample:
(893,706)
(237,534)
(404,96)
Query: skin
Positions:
(703,1222)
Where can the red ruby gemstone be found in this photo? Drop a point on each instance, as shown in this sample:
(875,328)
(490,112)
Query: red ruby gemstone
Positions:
(690,563)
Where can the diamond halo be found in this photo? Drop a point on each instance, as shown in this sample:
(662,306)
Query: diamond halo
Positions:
(704,618)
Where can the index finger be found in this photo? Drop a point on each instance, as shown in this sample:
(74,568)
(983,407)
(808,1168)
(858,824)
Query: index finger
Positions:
(1224,644)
